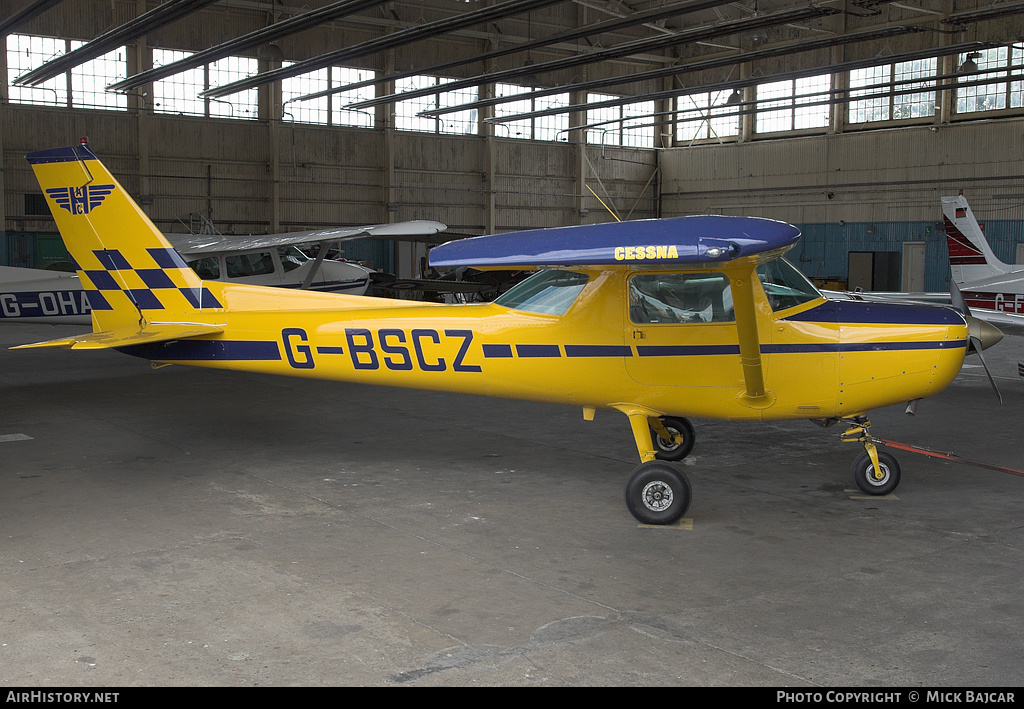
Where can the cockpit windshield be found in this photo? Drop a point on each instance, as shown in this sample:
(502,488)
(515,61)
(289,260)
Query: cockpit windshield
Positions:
(549,292)
(785,286)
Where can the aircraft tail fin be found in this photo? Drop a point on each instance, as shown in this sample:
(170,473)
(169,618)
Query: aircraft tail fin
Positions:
(131,274)
(970,256)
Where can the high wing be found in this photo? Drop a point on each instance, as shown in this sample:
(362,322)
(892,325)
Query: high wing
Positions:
(694,240)
(732,244)
(198,244)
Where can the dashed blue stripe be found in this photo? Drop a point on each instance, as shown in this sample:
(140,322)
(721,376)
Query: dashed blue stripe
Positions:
(208,351)
(538,351)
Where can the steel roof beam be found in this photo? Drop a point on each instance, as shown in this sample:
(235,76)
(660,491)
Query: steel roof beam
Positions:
(796,47)
(143,24)
(568,36)
(621,50)
(26,13)
(293,25)
(946,50)
(378,44)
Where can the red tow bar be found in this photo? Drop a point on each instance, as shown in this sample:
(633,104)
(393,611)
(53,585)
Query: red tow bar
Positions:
(948,456)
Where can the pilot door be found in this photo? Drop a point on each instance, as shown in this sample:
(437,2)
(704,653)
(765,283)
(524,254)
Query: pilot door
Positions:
(681,329)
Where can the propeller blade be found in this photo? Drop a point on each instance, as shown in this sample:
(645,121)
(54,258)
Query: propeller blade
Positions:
(982,334)
(976,344)
(957,298)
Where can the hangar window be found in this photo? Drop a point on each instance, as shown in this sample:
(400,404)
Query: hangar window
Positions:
(680,298)
(87,81)
(628,124)
(893,91)
(342,116)
(178,93)
(993,83)
(793,104)
(406,112)
(26,52)
(553,127)
(243,104)
(549,292)
(312,111)
(331,108)
(707,115)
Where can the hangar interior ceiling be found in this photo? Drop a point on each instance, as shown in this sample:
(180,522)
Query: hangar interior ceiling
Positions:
(274,115)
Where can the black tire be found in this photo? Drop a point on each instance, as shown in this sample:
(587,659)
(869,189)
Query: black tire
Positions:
(864,474)
(657,493)
(667,450)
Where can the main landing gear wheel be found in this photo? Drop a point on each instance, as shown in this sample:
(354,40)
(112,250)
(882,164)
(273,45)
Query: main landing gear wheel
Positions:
(657,493)
(867,479)
(667,449)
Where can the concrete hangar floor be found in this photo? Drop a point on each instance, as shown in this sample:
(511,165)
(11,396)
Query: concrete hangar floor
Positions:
(193,527)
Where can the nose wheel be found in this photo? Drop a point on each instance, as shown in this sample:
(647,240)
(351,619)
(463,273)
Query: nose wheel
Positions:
(874,472)
(876,481)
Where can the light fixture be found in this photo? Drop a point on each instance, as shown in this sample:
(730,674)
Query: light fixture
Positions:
(969,64)
(734,98)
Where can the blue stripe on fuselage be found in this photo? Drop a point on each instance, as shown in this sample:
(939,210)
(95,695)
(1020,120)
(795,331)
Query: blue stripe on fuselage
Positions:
(865,313)
(208,351)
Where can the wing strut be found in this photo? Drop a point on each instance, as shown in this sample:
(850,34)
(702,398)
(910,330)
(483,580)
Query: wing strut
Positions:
(308,281)
(750,346)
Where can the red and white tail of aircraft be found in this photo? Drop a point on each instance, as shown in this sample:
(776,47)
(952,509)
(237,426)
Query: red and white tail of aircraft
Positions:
(994,290)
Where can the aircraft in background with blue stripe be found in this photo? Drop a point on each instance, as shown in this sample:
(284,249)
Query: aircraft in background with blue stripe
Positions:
(659,320)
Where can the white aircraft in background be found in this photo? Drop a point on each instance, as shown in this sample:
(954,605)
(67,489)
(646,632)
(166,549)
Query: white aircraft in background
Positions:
(43,296)
(983,286)
(994,290)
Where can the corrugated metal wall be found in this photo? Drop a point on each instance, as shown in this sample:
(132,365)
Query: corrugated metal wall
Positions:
(237,172)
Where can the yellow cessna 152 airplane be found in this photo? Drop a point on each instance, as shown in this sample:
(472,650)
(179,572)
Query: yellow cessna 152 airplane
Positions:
(658,319)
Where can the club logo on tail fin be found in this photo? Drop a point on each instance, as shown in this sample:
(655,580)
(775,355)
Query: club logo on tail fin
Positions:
(79,200)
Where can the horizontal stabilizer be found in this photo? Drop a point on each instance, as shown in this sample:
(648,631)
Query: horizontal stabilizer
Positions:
(126,336)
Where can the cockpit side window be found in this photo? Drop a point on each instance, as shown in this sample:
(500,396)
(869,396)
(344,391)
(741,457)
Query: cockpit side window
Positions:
(680,298)
(784,285)
(549,292)
(291,258)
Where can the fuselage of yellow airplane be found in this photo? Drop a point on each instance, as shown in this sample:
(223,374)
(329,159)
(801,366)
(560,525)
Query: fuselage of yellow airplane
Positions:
(820,359)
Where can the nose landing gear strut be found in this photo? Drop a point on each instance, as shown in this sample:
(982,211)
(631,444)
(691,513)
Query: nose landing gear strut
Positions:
(875,472)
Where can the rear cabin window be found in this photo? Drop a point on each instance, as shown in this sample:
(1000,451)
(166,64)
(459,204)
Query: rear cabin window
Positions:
(241,265)
(680,298)
(547,292)
(784,285)
(207,268)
